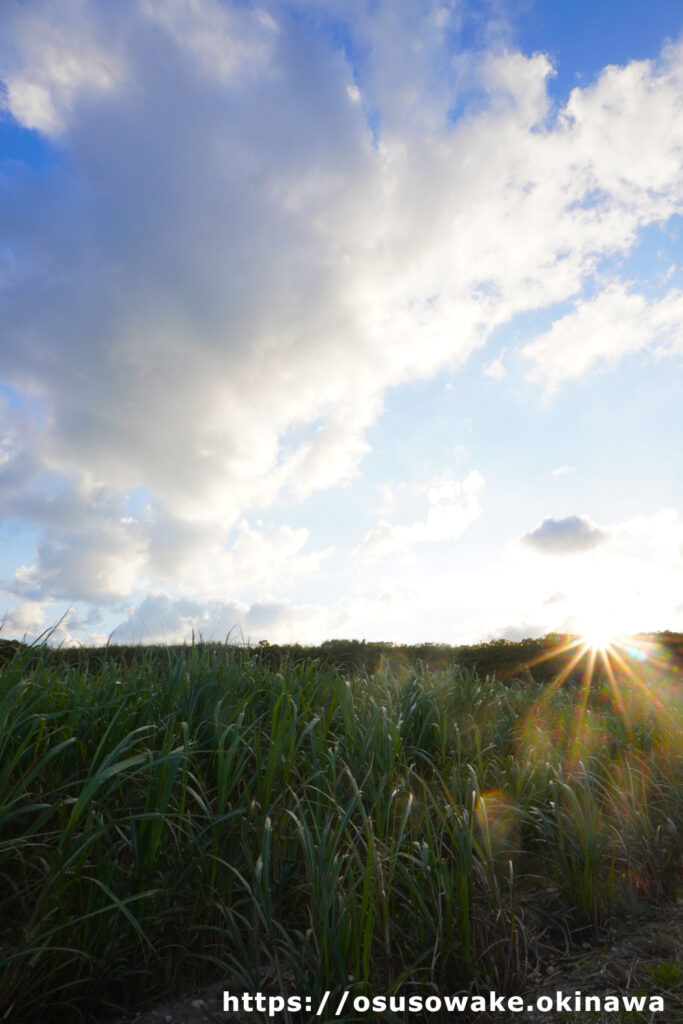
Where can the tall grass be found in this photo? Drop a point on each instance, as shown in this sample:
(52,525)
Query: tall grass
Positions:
(300,830)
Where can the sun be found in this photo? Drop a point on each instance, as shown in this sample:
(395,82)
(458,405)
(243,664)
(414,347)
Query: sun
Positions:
(598,633)
(598,637)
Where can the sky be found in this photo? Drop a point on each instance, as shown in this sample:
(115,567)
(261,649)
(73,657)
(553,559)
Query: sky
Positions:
(340,318)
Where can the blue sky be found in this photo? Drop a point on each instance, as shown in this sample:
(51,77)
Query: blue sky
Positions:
(324,319)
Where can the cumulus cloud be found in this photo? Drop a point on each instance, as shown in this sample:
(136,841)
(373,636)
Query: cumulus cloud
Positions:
(160,618)
(57,61)
(95,547)
(249,232)
(452,508)
(91,552)
(568,535)
(634,580)
(27,619)
(604,329)
(517,632)
(657,538)
(89,549)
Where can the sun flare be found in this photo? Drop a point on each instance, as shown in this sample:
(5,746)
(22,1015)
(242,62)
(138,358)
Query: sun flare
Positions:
(598,635)
(602,625)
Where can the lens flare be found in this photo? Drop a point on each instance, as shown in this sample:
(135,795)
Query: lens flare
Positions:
(598,636)
(608,677)
(599,628)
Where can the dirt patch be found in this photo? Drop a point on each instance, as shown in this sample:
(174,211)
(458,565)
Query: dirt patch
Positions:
(637,958)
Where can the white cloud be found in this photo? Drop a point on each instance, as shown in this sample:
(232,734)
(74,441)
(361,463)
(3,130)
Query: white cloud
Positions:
(569,535)
(229,42)
(250,236)
(452,508)
(56,61)
(261,559)
(563,471)
(160,618)
(495,369)
(657,539)
(92,551)
(27,619)
(605,328)
(89,551)
(633,579)
(628,573)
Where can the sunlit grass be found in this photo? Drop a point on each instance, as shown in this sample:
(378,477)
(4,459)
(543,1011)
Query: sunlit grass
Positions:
(304,829)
